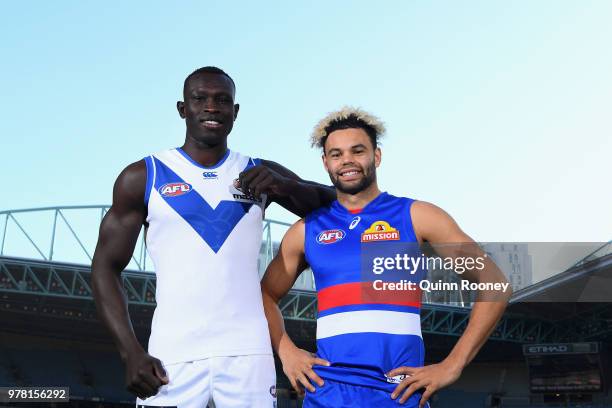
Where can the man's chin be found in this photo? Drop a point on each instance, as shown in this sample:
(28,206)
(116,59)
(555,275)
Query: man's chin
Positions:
(211,137)
(350,188)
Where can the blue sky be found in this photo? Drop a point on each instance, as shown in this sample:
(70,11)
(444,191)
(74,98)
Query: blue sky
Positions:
(499,112)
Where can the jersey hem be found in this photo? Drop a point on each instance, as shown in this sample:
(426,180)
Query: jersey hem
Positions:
(221,353)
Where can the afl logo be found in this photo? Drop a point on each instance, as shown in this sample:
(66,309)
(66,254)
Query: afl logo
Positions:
(330,236)
(174,189)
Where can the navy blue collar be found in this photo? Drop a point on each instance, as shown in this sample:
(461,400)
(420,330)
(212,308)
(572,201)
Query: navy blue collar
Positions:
(336,206)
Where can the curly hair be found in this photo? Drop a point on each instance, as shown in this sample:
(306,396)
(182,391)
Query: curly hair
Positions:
(347,118)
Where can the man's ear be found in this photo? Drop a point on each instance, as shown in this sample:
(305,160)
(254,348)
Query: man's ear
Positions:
(236,109)
(324,162)
(377,156)
(180,107)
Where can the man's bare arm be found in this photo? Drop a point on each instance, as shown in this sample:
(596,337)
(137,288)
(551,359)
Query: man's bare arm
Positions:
(436,227)
(286,188)
(280,276)
(118,235)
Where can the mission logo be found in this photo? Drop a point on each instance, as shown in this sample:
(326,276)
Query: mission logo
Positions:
(380,231)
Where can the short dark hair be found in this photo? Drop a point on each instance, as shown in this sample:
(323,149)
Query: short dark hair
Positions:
(208,70)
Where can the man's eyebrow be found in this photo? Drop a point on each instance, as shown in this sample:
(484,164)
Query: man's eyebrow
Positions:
(357,146)
(209,91)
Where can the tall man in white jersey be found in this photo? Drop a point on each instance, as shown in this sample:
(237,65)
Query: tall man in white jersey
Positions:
(202,205)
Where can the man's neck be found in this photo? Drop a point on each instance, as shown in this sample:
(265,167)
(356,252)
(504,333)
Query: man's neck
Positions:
(359,200)
(204,154)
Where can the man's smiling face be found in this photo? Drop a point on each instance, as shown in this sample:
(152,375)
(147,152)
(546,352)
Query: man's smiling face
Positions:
(208,109)
(351,160)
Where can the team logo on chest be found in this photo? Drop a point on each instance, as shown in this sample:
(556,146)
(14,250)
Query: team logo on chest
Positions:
(380,231)
(174,189)
(244,197)
(330,236)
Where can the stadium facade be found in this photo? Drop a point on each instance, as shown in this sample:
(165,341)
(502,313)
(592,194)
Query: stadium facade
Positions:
(552,347)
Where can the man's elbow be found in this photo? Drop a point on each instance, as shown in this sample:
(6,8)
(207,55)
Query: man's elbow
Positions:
(267,298)
(509,293)
(97,279)
(101,276)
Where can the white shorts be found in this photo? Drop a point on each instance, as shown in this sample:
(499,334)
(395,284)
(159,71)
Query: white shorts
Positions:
(218,382)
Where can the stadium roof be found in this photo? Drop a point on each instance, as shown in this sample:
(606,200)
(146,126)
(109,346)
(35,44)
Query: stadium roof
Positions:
(588,280)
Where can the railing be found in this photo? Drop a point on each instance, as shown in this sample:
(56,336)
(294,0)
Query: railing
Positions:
(42,239)
(51,249)
(68,234)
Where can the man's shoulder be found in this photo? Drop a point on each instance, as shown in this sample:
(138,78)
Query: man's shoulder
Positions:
(161,153)
(391,197)
(391,202)
(319,212)
(133,172)
(236,154)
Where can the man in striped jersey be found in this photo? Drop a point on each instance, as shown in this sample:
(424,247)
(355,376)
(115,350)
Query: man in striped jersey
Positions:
(370,351)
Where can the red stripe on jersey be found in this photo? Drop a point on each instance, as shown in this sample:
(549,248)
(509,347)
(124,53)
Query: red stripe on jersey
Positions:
(359,293)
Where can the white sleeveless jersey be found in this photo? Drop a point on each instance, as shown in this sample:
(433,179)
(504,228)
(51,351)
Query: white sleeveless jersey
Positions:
(204,238)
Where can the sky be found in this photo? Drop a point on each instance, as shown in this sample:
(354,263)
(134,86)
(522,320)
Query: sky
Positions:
(498,112)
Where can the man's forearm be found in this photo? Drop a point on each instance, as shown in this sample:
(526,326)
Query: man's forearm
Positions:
(276,325)
(488,307)
(302,196)
(483,319)
(112,308)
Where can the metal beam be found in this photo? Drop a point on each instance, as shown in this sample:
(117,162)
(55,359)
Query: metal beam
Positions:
(45,249)
(73,282)
(50,278)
